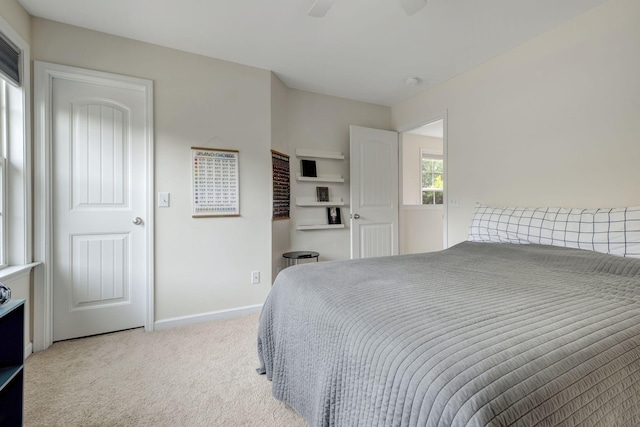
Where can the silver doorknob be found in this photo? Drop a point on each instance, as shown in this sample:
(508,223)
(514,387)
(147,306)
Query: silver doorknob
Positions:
(356,216)
(137,220)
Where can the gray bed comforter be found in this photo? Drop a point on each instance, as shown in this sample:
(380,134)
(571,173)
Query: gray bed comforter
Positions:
(479,334)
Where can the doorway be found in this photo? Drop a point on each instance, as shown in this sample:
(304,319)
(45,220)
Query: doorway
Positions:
(423,204)
(94,213)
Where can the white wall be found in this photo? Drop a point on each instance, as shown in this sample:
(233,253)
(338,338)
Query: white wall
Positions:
(421,227)
(555,121)
(552,122)
(322,122)
(280,229)
(15,15)
(202,265)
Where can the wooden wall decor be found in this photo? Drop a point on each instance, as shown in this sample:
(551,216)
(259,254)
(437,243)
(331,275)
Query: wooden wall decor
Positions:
(281,185)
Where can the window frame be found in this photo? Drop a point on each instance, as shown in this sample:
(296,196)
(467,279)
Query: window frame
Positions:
(430,155)
(15,150)
(3,204)
(3,172)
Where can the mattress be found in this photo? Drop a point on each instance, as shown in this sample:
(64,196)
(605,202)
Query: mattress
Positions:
(481,334)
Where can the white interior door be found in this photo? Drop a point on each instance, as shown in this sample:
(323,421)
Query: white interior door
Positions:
(99,134)
(374,192)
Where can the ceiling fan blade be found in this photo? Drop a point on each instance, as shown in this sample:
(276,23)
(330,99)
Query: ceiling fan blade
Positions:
(320,8)
(412,6)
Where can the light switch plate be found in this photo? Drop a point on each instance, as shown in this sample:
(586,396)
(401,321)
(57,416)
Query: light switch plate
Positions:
(163,200)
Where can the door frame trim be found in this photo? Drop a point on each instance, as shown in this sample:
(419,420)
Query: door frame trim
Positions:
(445,157)
(44,73)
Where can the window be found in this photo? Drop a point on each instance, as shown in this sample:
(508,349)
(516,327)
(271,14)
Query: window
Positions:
(432,178)
(15,153)
(3,172)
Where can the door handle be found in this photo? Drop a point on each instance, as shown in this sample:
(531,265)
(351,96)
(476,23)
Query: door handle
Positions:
(137,220)
(356,216)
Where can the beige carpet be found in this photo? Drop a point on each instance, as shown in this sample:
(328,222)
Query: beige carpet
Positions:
(199,375)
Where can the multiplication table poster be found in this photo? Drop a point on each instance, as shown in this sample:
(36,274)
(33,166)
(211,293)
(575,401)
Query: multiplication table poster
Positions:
(216,189)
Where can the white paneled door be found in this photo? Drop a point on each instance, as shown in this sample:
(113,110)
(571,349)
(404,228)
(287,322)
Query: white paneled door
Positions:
(374,192)
(99,135)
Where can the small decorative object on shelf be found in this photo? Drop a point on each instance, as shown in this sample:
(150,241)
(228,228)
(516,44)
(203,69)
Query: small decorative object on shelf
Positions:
(5,293)
(309,168)
(333,216)
(322,194)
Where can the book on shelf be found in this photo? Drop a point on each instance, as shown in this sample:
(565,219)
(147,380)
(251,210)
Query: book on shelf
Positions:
(333,216)
(322,194)
(308,168)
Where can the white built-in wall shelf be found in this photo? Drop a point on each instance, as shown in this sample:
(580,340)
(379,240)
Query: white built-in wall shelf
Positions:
(303,227)
(317,154)
(321,178)
(309,202)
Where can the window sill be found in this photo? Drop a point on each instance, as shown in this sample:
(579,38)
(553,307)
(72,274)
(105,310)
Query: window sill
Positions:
(13,271)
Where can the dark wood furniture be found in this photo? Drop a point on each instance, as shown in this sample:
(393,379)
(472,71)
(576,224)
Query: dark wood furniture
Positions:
(11,362)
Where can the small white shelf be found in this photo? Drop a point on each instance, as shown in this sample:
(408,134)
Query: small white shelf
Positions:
(308,202)
(321,178)
(317,154)
(309,227)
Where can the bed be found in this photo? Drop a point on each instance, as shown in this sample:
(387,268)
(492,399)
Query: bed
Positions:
(482,334)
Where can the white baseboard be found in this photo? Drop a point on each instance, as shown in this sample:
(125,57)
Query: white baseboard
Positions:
(175,322)
(28,349)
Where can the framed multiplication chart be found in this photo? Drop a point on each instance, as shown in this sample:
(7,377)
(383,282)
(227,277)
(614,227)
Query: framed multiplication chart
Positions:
(216,189)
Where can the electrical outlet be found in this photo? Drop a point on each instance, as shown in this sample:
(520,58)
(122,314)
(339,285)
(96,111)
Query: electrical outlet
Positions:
(255,277)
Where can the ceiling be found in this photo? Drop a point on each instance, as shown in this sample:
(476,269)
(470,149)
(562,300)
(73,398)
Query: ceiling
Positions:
(362,49)
(433,130)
